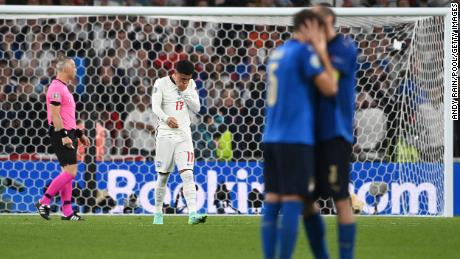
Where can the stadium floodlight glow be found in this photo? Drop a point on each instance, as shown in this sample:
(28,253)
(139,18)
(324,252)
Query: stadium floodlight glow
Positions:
(403,128)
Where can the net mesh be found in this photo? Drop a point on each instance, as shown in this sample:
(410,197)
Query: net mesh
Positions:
(397,158)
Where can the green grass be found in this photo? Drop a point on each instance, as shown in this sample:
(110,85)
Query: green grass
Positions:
(221,237)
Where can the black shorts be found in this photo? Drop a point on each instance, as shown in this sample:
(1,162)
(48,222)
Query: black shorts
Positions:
(289,169)
(65,155)
(333,168)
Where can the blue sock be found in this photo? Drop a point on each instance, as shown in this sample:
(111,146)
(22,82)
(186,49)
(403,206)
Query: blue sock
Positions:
(287,233)
(347,233)
(316,233)
(269,228)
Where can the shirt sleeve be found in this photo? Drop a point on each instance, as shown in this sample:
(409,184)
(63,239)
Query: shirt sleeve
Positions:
(55,95)
(191,98)
(345,62)
(310,63)
(157,99)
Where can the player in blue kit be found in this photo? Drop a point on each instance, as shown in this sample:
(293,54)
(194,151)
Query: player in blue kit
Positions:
(295,73)
(334,132)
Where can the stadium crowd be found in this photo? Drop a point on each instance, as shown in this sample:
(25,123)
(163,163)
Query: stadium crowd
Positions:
(118,58)
(240,3)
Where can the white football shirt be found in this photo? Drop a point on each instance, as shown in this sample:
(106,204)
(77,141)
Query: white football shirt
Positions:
(168,101)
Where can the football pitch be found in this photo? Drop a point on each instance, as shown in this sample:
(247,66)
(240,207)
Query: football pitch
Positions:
(221,237)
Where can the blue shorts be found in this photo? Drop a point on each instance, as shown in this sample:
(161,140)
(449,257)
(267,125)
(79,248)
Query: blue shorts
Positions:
(289,169)
(333,168)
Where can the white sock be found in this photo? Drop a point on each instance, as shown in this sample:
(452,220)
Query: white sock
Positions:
(160,190)
(189,190)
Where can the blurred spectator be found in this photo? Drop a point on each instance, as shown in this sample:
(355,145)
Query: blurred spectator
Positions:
(224,141)
(255,200)
(430,130)
(205,146)
(141,127)
(131,205)
(122,56)
(238,3)
(370,133)
(180,200)
(103,202)
(433,3)
(223,199)
(81,151)
(103,142)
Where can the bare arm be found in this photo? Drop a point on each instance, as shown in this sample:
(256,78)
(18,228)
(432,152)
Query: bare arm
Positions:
(56,117)
(59,125)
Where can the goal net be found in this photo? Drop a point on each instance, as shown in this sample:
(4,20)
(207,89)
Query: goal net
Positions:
(398,155)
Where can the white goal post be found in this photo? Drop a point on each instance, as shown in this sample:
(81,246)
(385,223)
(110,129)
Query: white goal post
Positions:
(405,160)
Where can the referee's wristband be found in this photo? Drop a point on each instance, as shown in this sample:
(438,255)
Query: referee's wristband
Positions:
(78,133)
(63,133)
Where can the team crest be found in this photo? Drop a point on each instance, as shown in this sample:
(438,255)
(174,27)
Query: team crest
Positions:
(314,61)
(276,54)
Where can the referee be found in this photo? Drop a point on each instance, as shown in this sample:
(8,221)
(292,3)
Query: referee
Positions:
(63,133)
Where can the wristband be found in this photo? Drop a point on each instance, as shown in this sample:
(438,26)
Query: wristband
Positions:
(78,133)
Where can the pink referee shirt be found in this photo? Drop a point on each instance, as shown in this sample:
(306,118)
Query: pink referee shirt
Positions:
(59,93)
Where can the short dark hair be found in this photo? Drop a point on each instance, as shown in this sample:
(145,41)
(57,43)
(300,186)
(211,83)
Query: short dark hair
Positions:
(185,67)
(305,15)
(325,10)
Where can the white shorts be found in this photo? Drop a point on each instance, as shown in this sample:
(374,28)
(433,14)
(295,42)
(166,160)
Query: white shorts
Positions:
(170,152)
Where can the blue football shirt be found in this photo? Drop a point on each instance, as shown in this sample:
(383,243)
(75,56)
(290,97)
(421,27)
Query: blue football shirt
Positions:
(291,96)
(335,114)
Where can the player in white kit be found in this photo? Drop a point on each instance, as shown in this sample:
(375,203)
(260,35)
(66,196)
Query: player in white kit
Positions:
(172,99)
